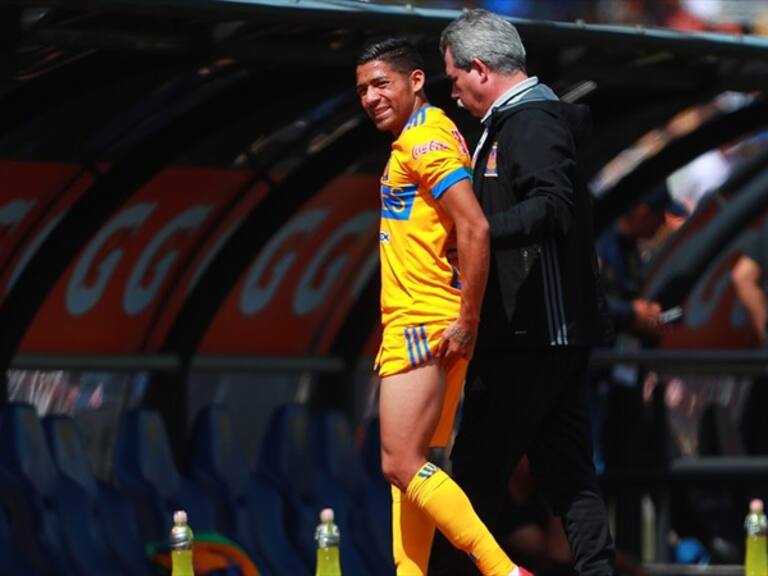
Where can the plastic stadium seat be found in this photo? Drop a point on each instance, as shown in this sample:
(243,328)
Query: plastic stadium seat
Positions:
(145,471)
(50,519)
(378,497)
(286,460)
(114,515)
(248,510)
(340,477)
(285,463)
(10,562)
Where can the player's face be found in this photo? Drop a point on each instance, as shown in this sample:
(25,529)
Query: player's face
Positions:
(388,97)
(465,87)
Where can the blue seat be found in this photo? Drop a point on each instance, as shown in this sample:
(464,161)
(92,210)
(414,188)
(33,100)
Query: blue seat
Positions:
(248,510)
(113,513)
(378,495)
(11,563)
(145,471)
(50,518)
(287,460)
(340,479)
(285,463)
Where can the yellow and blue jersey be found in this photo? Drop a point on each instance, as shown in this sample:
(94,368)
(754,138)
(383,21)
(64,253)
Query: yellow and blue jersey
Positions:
(419,286)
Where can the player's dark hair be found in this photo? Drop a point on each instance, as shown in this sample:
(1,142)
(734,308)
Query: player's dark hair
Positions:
(399,53)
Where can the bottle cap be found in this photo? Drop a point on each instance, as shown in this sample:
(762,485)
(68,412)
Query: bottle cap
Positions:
(756,505)
(179,517)
(326,515)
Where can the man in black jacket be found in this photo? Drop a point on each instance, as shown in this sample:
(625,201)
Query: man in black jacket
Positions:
(525,390)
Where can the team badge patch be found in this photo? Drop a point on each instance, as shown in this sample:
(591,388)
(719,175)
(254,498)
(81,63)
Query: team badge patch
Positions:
(491,168)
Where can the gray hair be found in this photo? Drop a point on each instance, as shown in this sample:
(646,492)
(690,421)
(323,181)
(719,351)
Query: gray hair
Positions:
(486,36)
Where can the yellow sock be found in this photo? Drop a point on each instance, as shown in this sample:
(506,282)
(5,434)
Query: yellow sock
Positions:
(434,492)
(412,534)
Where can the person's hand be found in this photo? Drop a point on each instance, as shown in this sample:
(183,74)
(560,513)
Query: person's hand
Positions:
(647,317)
(458,340)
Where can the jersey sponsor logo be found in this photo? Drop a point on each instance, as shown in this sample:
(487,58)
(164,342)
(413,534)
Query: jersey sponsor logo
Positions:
(431,146)
(384,237)
(396,203)
(491,167)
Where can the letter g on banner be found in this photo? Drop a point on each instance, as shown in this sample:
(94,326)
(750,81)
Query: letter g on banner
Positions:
(81,297)
(308,296)
(138,296)
(254,298)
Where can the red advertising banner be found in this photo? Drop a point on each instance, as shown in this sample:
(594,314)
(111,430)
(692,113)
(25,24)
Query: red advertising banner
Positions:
(299,288)
(713,316)
(108,298)
(199,264)
(33,198)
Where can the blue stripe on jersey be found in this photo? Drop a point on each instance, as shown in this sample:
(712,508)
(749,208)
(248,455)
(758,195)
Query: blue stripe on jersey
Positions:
(450,179)
(425,342)
(417,118)
(410,346)
(455,282)
(396,203)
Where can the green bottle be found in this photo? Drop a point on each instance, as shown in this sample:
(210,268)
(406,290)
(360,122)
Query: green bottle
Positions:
(182,541)
(756,560)
(327,538)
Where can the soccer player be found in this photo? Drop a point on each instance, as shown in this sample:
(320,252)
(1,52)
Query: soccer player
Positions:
(429,311)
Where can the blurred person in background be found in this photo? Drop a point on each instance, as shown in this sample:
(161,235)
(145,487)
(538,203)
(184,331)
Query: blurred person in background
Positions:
(616,395)
(750,282)
(525,391)
(622,262)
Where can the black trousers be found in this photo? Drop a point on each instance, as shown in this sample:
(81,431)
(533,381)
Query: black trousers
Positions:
(530,402)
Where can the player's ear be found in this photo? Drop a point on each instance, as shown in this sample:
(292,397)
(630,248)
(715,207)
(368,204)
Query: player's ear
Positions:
(418,78)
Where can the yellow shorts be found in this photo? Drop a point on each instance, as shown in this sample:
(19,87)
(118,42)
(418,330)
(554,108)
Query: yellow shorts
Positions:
(406,347)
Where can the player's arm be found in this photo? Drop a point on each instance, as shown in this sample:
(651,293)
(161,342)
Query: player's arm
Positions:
(472,242)
(746,277)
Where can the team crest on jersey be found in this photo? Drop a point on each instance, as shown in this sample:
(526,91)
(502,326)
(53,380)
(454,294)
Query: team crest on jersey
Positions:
(491,168)
(397,202)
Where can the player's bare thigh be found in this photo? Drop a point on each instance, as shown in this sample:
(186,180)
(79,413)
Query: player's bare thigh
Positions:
(410,404)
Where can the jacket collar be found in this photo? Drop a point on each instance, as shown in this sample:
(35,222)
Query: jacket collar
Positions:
(510,96)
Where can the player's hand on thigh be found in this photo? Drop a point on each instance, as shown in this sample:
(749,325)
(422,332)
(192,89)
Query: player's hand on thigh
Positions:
(458,340)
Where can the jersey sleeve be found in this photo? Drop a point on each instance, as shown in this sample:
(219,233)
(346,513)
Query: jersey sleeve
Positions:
(435,157)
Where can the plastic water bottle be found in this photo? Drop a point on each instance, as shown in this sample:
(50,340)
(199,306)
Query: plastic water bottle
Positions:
(327,537)
(756,561)
(182,540)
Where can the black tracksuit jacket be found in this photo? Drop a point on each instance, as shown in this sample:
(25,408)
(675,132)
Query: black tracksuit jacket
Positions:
(542,287)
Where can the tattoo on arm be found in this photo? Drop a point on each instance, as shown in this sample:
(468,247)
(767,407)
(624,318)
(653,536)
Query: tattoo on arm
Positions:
(462,337)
